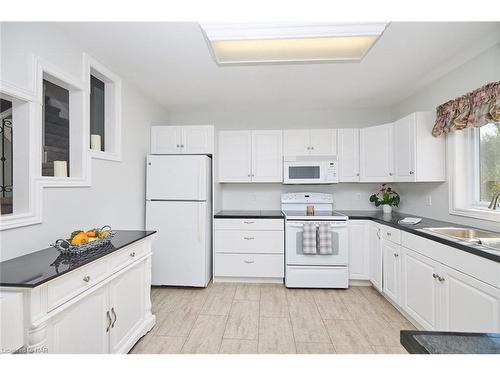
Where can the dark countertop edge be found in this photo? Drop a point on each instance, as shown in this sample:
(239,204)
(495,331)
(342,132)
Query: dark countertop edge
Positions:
(407,339)
(429,236)
(31,286)
(249,215)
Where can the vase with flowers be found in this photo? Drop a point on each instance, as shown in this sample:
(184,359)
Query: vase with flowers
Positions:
(386,197)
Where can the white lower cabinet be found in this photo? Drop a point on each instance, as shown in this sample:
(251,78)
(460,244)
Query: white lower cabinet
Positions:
(392,271)
(81,329)
(419,288)
(359,250)
(467,304)
(249,249)
(107,311)
(126,296)
(439,297)
(375,256)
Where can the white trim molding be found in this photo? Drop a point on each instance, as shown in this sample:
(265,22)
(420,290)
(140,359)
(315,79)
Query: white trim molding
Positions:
(461,172)
(113,108)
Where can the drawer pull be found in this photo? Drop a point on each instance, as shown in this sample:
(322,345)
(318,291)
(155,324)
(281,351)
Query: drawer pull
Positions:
(86,279)
(114,321)
(249,222)
(109,321)
(396,255)
(249,238)
(389,234)
(132,254)
(249,261)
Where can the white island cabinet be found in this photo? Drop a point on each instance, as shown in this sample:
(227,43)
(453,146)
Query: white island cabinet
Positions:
(101,307)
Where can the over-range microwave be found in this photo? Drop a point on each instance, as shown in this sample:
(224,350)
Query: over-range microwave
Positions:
(310,169)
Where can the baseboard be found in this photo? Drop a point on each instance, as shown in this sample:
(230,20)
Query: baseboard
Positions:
(360,283)
(254,280)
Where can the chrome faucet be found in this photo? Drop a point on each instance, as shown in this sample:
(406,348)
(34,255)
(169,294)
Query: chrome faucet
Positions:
(494,201)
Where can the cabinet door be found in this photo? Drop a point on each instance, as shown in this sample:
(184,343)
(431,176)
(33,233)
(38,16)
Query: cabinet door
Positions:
(323,141)
(404,149)
(359,249)
(267,156)
(419,288)
(81,329)
(197,139)
(348,155)
(296,142)
(391,271)
(376,154)
(375,256)
(127,307)
(235,153)
(468,304)
(166,140)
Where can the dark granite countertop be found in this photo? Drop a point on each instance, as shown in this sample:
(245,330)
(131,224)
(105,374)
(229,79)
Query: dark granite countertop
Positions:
(392,220)
(249,214)
(34,269)
(432,342)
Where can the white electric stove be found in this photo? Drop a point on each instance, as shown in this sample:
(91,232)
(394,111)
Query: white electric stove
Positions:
(314,270)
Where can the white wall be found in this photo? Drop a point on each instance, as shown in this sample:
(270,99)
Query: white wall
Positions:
(267,196)
(477,72)
(116,196)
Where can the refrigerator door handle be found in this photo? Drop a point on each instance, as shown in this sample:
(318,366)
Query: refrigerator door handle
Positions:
(200,223)
(200,180)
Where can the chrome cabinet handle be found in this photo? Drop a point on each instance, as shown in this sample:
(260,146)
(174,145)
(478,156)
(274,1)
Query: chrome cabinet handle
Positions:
(249,261)
(114,313)
(249,222)
(182,146)
(434,276)
(249,175)
(132,254)
(389,234)
(411,172)
(357,174)
(109,321)
(86,279)
(440,278)
(396,255)
(249,238)
(390,173)
(178,146)
(378,233)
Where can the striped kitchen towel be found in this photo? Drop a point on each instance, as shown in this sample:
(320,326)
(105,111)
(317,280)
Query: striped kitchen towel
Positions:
(309,238)
(325,239)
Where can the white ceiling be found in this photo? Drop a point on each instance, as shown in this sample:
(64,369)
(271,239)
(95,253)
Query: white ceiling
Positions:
(171,62)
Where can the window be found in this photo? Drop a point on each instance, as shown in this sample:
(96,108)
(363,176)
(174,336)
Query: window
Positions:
(55,158)
(474,171)
(488,162)
(97,106)
(6,158)
(105,111)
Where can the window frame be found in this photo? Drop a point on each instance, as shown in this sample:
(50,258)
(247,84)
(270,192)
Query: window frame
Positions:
(112,109)
(463,172)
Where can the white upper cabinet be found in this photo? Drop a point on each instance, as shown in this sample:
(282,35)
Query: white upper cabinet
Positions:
(235,156)
(348,155)
(196,139)
(377,153)
(267,156)
(418,156)
(310,142)
(251,156)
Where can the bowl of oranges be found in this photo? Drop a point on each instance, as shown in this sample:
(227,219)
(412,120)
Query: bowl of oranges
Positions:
(84,240)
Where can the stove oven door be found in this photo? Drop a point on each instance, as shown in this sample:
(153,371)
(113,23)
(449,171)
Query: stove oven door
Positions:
(293,246)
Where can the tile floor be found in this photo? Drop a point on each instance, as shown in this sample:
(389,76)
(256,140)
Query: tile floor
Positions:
(265,318)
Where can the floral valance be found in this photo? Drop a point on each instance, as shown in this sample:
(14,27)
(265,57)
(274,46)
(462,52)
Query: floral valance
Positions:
(474,109)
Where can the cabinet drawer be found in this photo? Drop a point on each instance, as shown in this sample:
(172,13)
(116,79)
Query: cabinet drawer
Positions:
(249,224)
(263,241)
(391,234)
(249,265)
(127,255)
(68,286)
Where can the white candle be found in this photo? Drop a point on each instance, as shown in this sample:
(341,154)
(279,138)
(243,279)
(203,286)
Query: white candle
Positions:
(95,142)
(60,168)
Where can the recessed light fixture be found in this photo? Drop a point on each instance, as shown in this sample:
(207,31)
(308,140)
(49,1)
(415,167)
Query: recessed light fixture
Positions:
(288,43)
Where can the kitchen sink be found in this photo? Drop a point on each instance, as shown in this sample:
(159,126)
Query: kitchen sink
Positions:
(477,236)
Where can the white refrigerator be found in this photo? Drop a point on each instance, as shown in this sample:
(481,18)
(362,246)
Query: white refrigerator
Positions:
(178,207)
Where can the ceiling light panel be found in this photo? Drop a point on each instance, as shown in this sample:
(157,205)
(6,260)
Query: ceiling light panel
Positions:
(285,43)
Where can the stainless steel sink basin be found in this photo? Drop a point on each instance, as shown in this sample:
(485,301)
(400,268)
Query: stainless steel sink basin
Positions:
(481,237)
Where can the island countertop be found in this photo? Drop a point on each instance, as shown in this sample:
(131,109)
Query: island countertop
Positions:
(39,267)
